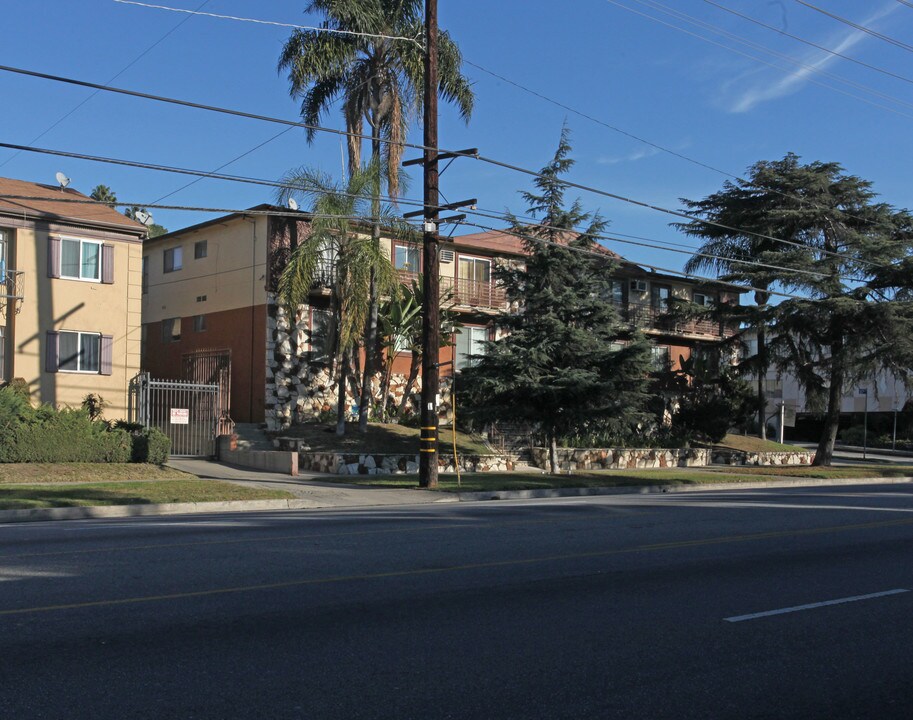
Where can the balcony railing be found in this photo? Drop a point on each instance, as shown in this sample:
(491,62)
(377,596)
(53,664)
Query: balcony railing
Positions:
(11,294)
(467,293)
(648,317)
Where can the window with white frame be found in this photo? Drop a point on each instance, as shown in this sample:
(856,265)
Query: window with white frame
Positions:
(200,249)
(80,259)
(3,267)
(702,299)
(174,259)
(407,258)
(470,341)
(79,352)
(322,335)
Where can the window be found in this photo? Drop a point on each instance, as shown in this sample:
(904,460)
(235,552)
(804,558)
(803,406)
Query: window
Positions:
(322,336)
(2,259)
(659,297)
(79,352)
(469,341)
(199,250)
(199,323)
(145,274)
(80,259)
(659,357)
(174,259)
(702,299)
(407,257)
(171,330)
(615,292)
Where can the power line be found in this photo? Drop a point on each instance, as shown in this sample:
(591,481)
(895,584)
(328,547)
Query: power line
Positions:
(270,22)
(862,28)
(595,253)
(812,44)
(333,131)
(725,33)
(566,107)
(225,165)
(272,183)
(113,78)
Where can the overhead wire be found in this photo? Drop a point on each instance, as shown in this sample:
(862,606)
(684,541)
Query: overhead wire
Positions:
(526,89)
(112,79)
(857,26)
(334,31)
(333,131)
(840,55)
(732,36)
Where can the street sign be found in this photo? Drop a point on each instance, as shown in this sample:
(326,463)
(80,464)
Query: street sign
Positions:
(180,416)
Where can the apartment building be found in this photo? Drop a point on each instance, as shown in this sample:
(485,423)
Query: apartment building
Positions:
(70,273)
(209,301)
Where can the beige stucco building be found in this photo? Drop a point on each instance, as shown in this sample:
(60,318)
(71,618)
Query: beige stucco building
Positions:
(70,312)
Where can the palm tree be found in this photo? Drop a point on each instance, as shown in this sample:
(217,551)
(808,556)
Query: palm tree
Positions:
(104,194)
(374,63)
(336,231)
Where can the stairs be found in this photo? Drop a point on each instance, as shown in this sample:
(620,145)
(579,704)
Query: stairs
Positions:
(512,440)
(252,436)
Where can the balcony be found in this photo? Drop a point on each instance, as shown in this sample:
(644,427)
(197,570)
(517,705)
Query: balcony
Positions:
(647,317)
(11,293)
(467,293)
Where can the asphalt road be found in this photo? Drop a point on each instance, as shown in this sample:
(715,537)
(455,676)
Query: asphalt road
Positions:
(637,606)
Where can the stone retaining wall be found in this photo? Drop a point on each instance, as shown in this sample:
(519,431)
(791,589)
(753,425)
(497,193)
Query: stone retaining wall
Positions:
(736,457)
(383,464)
(621,458)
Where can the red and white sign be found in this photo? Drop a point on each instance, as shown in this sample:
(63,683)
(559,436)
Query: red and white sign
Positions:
(180,416)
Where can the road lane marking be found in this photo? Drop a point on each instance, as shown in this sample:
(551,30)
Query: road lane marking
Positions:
(456,568)
(812,606)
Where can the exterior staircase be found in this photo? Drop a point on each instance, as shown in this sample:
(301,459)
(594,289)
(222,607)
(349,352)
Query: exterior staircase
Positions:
(252,436)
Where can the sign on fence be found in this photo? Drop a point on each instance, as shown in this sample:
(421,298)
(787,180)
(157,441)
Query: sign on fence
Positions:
(180,416)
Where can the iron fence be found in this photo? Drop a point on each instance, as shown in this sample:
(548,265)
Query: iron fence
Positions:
(188,413)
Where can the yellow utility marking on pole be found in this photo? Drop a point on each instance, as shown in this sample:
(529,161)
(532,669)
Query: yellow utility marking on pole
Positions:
(456,568)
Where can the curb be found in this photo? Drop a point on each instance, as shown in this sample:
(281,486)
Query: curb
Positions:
(152,510)
(659,489)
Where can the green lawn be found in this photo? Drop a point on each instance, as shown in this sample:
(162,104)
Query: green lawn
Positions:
(490,482)
(84,472)
(380,439)
(74,494)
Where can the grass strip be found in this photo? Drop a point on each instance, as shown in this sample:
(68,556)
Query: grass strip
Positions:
(380,439)
(11,473)
(14,497)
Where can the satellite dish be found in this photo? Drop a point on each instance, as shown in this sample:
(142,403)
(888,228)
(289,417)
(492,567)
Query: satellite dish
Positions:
(63,180)
(143,218)
(292,203)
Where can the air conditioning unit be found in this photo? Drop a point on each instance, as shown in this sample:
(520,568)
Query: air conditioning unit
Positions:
(639,285)
(446,256)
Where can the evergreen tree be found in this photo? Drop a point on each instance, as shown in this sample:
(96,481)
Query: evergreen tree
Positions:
(566,361)
(852,317)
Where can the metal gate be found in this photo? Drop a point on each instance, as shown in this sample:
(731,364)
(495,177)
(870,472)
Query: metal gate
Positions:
(186,412)
(212,367)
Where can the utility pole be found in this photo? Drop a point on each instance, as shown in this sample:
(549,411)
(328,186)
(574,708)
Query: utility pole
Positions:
(431,326)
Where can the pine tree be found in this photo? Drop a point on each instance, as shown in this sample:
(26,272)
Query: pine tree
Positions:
(566,361)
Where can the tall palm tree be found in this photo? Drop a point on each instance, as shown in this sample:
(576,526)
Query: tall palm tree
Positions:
(104,194)
(337,231)
(375,65)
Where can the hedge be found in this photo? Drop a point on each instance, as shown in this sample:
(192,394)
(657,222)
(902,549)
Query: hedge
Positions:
(46,434)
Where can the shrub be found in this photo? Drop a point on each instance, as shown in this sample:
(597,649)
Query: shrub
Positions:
(151,445)
(853,435)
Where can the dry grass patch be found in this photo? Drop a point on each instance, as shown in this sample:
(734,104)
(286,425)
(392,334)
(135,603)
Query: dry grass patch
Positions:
(380,439)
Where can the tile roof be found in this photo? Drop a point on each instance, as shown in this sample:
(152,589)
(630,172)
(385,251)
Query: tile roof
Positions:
(49,205)
(500,241)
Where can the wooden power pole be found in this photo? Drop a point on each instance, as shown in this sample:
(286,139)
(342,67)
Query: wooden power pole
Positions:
(431,325)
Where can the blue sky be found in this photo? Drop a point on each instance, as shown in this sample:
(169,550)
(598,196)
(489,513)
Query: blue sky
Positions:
(691,96)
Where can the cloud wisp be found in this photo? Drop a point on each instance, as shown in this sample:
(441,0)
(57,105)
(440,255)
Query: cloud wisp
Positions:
(753,96)
(633,156)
